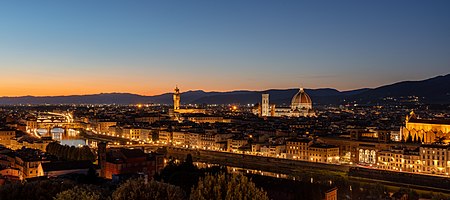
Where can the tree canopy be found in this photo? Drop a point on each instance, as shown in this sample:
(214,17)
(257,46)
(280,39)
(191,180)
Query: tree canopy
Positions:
(39,190)
(80,193)
(227,187)
(138,189)
(65,152)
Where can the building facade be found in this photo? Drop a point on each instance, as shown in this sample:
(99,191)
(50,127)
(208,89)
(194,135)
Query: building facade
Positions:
(301,106)
(323,153)
(176,99)
(131,161)
(425,131)
(265,105)
(297,149)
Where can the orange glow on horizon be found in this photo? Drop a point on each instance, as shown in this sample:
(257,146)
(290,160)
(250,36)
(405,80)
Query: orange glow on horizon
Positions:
(24,84)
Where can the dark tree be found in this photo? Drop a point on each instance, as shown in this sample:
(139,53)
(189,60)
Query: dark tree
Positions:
(91,176)
(137,189)
(65,152)
(409,138)
(80,193)
(40,190)
(440,140)
(72,153)
(227,186)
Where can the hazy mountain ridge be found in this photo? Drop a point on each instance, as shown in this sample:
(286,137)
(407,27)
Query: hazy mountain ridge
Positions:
(434,90)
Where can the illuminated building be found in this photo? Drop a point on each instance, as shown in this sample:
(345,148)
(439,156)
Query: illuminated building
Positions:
(148,119)
(165,137)
(331,194)
(367,156)
(425,130)
(269,150)
(305,149)
(176,99)
(59,168)
(301,101)
(202,118)
(179,138)
(301,106)
(135,133)
(233,145)
(359,151)
(31,124)
(435,159)
(177,110)
(399,160)
(27,161)
(208,141)
(6,135)
(193,140)
(265,105)
(428,159)
(130,161)
(214,141)
(9,140)
(35,144)
(298,148)
(103,126)
(132,132)
(323,153)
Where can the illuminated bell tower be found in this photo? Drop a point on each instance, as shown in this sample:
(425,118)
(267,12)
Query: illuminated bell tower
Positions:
(176,99)
(265,105)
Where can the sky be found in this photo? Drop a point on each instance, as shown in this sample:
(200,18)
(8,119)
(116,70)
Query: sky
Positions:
(147,47)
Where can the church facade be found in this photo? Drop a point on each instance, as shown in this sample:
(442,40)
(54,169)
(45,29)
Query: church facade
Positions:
(425,130)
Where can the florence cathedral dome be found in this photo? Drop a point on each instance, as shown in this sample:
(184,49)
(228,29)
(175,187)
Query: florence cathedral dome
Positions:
(301,101)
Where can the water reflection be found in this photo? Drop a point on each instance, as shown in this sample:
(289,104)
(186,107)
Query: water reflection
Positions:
(73,142)
(245,170)
(71,137)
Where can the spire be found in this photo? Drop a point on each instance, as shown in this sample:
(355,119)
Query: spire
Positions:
(412,114)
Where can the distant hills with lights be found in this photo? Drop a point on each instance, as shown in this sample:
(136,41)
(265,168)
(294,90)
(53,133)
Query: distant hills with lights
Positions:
(430,91)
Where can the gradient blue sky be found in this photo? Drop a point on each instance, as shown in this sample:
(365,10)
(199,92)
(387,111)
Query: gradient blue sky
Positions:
(146,47)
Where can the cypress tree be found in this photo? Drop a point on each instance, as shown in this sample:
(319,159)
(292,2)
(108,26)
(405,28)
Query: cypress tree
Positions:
(72,153)
(409,139)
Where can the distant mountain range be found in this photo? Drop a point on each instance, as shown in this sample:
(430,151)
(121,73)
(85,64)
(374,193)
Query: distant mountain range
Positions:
(432,91)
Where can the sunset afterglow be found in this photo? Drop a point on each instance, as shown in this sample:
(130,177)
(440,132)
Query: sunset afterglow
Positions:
(52,48)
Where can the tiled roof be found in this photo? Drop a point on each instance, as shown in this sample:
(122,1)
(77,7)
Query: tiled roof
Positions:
(430,121)
(66,165)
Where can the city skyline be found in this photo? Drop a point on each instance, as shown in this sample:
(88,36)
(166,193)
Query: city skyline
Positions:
(51,48)
(254,99)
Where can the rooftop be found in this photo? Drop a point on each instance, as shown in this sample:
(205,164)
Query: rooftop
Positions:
(303,140)
(121,155)
(430,121)
(321,145)
(66,165)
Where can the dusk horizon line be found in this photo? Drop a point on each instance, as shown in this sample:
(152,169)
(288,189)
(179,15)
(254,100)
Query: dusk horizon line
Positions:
(235,90)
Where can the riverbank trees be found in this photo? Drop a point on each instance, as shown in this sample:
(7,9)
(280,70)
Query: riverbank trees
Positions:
(66,152)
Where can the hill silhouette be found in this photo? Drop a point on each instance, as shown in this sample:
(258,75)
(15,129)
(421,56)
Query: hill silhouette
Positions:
(431,91)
